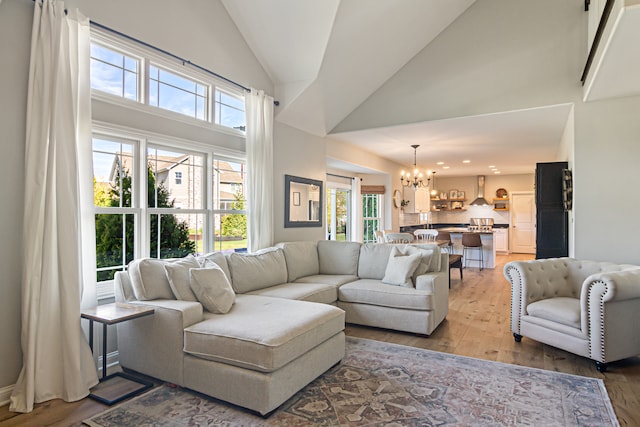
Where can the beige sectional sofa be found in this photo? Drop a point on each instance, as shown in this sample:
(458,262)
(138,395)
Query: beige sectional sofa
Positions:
(285,327)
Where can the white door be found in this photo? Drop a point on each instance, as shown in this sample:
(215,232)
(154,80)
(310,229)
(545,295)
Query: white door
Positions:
(523,222)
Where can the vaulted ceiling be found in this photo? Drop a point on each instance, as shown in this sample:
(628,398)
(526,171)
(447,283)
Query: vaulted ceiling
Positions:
(327,57)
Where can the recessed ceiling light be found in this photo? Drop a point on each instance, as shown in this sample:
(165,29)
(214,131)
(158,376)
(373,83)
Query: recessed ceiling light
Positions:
(496,171)
(440,163)
(492,167)
(466,161)
(445,167)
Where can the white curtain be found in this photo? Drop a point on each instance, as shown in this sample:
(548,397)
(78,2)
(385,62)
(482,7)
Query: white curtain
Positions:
(259,110)
(57,361)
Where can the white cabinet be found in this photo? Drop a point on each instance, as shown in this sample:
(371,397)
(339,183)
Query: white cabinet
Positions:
(421,200)
(501,239)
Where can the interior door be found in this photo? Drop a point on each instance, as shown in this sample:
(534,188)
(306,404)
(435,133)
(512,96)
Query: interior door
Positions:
(523,223)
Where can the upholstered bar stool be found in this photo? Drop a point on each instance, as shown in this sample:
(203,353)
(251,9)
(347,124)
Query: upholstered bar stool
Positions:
(472,241)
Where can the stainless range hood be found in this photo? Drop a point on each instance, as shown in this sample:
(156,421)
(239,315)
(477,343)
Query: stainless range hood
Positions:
(480,200)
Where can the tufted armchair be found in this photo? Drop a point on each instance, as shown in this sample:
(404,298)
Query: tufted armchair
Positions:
(588,308)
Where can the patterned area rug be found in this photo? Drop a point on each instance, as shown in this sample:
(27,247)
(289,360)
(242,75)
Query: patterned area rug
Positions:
(381,384)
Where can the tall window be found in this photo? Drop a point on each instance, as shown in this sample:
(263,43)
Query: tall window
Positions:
(372,207)
(338,213)
(155,195)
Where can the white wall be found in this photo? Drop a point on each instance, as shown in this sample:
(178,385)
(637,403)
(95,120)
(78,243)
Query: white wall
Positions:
(300,154)
(15,43)
(606,176)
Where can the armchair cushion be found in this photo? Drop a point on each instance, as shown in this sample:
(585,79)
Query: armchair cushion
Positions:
(562,310)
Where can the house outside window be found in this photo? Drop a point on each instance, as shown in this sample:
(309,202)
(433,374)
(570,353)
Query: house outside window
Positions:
(178,177)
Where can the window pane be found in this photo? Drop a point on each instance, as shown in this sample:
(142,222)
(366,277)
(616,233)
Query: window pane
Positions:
(113,72)
(230,232)
(228,189)
(112,173)
(176,93)
(169,235)
(114,244)
(165,192)
(230,110)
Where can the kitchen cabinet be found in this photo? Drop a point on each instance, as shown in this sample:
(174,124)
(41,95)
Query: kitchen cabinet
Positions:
(501,240)
(421,200)
(552,223)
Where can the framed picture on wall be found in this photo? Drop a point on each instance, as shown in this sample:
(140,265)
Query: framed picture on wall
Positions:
(453,194)
(460,194)
(296,198)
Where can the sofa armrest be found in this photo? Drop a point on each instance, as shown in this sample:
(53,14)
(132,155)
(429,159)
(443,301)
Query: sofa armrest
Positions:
(610,302)
(153,345)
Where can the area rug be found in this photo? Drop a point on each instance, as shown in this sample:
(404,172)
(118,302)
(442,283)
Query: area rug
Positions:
(381,384)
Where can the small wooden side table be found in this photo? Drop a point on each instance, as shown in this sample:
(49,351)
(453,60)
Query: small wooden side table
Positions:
(119,386)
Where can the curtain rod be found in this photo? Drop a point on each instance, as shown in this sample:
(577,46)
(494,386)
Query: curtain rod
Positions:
(176,57)
(341,176)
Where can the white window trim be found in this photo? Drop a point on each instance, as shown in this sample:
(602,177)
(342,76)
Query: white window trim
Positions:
(149,56)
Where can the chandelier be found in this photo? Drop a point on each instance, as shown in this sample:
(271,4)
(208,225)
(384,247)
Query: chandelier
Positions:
(416,181)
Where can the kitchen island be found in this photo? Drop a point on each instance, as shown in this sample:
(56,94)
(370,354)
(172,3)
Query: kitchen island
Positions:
(488,246)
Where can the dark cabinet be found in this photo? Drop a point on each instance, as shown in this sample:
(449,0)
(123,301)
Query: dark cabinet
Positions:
(552,224)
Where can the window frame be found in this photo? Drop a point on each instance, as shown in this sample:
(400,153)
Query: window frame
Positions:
(379,218)
(147,57)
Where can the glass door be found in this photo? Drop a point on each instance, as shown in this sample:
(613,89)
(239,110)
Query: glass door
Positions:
(338,213)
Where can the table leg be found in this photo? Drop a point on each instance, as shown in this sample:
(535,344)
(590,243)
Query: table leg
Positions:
(91,335)
(104,350)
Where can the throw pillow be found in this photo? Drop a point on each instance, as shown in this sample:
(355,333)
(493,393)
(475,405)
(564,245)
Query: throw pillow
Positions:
(400,268)
(425,260)
(149,280)
(178,276)
(212,288)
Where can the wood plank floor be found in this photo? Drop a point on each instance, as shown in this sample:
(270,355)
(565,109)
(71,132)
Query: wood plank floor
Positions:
(477,326)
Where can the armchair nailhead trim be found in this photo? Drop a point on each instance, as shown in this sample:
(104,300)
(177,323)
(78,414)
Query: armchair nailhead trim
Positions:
(603,358)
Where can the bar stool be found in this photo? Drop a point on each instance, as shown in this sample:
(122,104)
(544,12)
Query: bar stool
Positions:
(445,236)
(471,241)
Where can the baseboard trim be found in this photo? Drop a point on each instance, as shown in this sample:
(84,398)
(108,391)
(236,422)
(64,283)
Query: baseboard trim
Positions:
(5,394)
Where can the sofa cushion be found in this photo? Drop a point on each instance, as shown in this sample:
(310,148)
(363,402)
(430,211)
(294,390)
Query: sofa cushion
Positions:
(286,330)
(178,276)
(374,292)
(257,270)
(301,258)
(400,267)
(338,257)
(218,258)
(329,279)
(564,310)
(149,279)
(314,292)
(373,259)
(212,288)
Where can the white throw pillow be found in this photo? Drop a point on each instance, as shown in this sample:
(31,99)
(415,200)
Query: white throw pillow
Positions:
(425,260)
(400,268)
(178,276)
(212,288)
(149,279)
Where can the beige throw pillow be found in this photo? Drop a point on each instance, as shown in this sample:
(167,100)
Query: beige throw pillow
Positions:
(400,268)
(212,288)
(425,260)
(178,276)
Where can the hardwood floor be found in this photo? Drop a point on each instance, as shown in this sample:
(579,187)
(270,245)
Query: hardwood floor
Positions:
(477,326)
